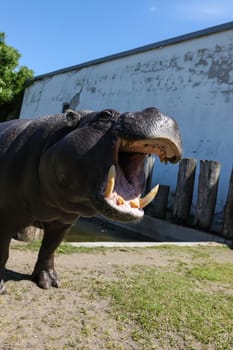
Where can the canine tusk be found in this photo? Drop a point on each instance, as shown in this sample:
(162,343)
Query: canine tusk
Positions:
(110,181)
(149,197)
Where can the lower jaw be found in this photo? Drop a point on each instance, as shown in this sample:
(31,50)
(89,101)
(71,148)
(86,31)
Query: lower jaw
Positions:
(119,214)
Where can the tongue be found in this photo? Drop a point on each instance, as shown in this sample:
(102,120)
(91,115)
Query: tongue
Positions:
(119,200)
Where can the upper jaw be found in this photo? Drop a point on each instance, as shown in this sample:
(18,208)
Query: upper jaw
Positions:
(150,131)
(166,149)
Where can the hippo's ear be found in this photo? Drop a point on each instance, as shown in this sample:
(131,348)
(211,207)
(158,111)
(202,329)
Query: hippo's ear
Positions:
(72,117)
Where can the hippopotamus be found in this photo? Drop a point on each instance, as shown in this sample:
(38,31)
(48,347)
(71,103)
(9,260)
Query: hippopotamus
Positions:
(57,168)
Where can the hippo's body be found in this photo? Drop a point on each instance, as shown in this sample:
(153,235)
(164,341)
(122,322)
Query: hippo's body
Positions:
(56,168)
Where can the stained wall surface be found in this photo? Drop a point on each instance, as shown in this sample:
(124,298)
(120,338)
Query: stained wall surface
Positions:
(190,79)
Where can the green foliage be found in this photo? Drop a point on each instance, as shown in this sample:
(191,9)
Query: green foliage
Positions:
(13,80)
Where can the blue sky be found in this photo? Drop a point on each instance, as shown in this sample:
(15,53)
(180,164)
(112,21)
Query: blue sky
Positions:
(53,34)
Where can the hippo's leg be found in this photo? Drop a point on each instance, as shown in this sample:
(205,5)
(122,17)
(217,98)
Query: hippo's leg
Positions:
(44,274)
(4,254)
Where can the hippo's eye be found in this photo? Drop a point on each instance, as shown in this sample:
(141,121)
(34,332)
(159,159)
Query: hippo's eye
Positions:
(109,114)
(103,116)
(106,114)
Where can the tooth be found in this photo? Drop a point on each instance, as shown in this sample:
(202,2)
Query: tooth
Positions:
(120,200)
(149,197)
(134,203)
(110,181)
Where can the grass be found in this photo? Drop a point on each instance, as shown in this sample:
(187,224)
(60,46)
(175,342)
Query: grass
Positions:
(162,304)
(185,304)
(213,272)
(192,305)
(64,248)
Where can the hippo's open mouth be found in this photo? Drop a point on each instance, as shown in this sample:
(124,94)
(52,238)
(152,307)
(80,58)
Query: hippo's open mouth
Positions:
(125,180)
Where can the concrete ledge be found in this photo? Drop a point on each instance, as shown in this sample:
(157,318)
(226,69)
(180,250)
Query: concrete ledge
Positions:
(140,244)
(164,231)
(129,245)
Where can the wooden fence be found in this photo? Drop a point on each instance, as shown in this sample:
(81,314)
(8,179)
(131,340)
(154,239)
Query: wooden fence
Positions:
(206,198)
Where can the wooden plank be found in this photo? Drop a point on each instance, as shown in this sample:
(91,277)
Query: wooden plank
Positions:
(158,207)
(228,212)
(207,193)
(184,189)
(148,170)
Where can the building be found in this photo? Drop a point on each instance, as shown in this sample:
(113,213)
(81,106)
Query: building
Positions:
(189,77)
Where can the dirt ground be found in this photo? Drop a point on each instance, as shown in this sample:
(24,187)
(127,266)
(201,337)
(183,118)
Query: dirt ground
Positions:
(69,317)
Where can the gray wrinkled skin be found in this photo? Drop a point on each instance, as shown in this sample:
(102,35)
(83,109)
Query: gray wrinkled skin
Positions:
(54,169)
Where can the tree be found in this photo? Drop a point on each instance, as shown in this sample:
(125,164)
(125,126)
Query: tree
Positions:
(13,80)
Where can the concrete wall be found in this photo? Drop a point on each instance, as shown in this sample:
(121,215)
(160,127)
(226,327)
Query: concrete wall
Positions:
(189,78)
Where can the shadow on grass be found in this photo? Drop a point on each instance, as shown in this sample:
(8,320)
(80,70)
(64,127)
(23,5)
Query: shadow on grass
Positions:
(10,275)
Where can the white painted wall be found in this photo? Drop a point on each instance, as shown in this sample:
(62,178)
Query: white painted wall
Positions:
(191,80)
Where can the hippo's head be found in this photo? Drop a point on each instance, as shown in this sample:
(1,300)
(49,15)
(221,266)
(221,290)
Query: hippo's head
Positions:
(98,167)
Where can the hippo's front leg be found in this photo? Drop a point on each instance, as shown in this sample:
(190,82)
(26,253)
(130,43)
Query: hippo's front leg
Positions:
(4,254)
(44,274)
